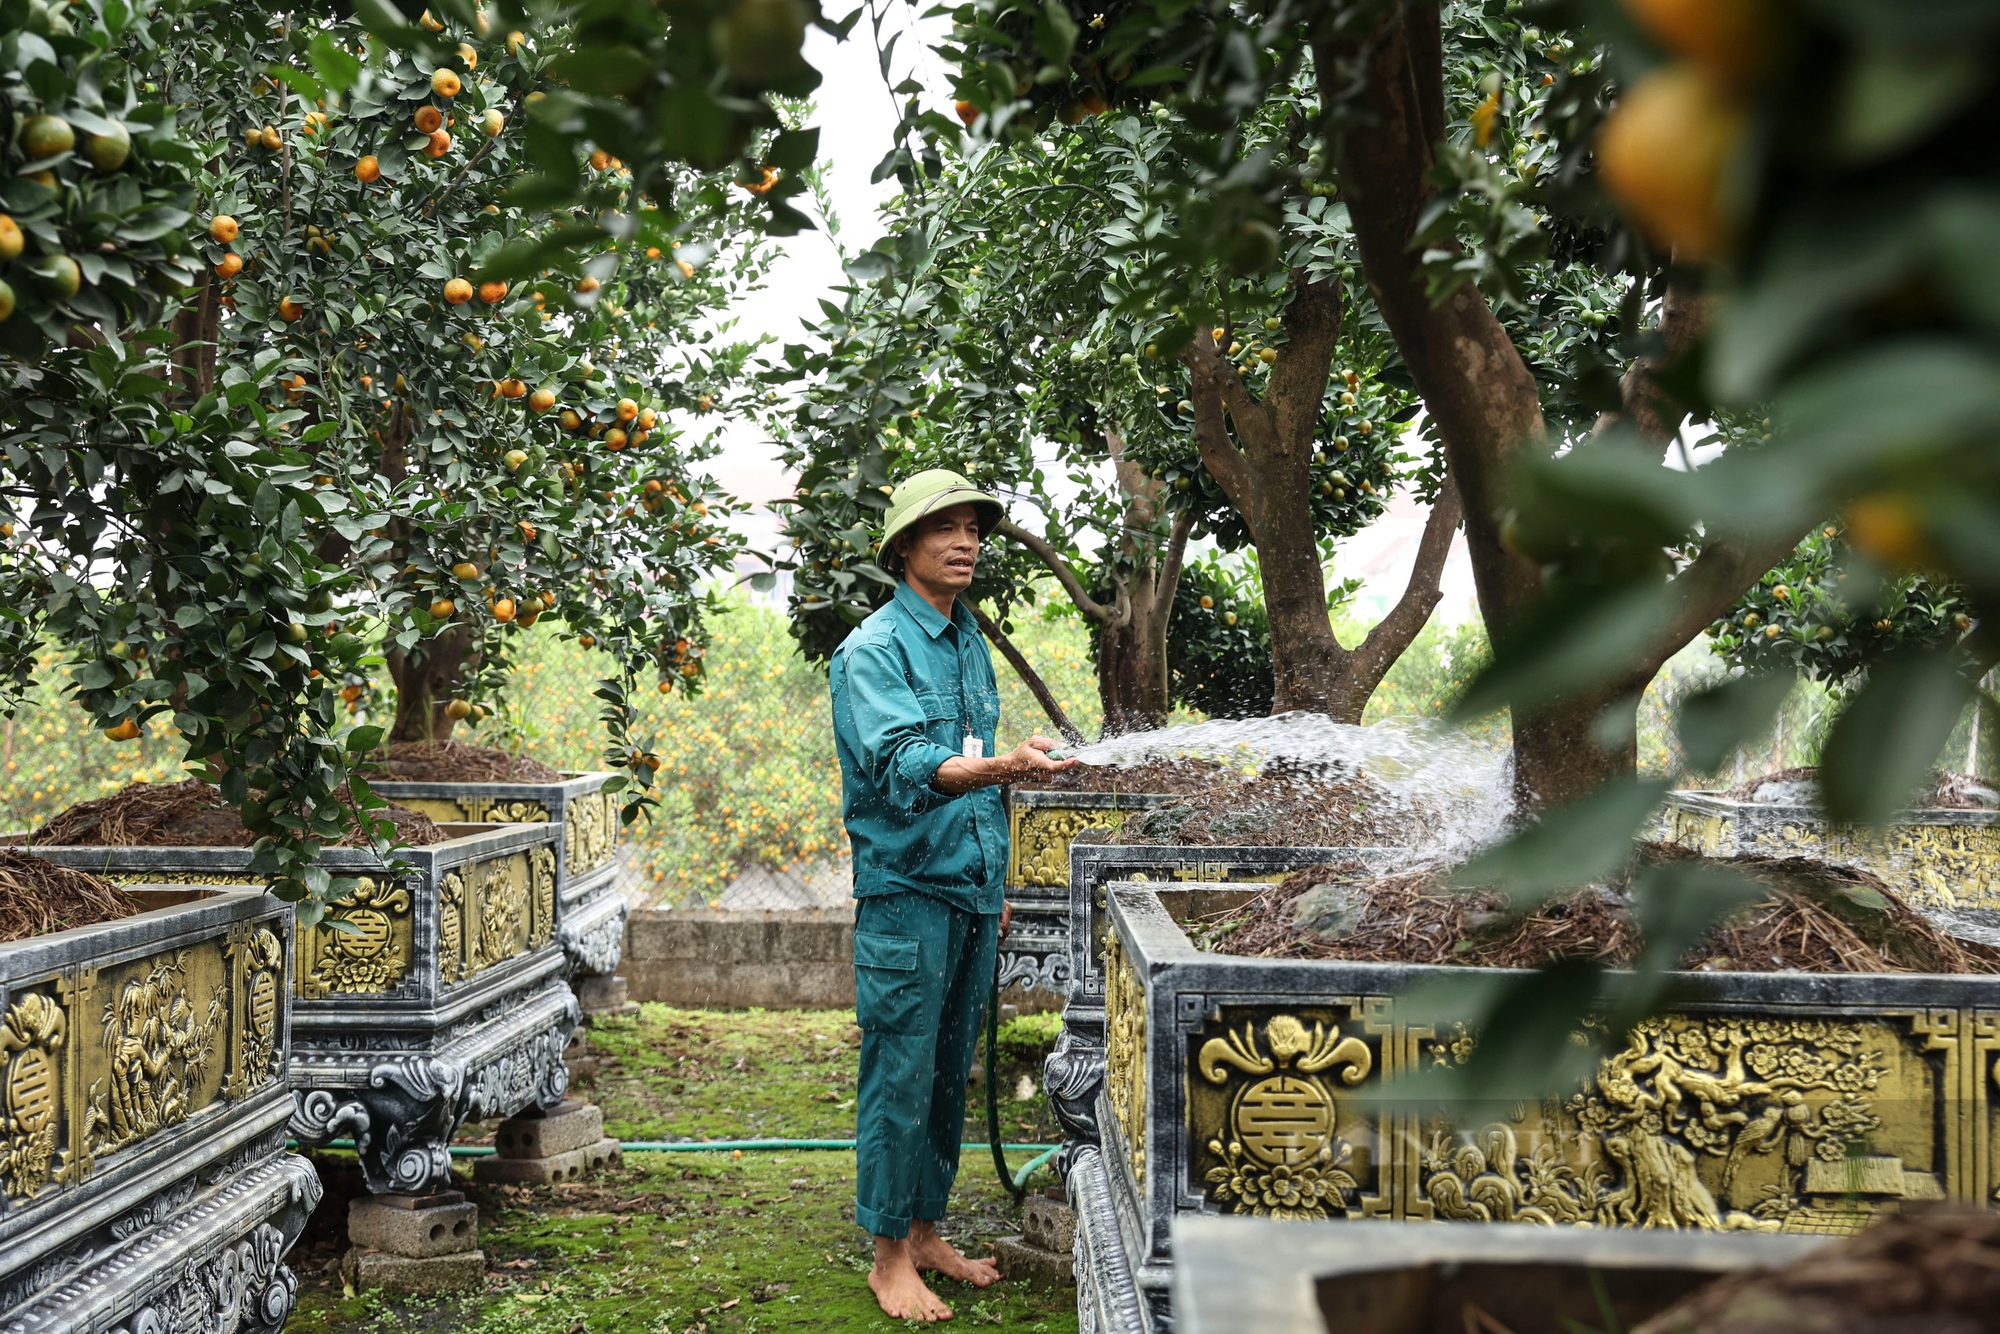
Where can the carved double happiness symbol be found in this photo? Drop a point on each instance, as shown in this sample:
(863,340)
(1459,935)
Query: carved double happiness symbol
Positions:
(1282,1157)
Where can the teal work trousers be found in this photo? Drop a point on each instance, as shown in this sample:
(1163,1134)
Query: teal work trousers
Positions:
(922,969)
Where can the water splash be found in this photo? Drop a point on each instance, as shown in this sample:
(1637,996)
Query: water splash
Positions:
(1458,786)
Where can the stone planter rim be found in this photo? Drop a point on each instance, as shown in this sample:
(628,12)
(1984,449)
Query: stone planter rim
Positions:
(1712,802)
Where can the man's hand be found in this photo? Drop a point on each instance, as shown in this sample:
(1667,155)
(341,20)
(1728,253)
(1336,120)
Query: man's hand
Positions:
(1006,919)
(1030,759)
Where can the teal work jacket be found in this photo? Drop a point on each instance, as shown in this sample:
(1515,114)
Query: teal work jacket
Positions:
(908,685)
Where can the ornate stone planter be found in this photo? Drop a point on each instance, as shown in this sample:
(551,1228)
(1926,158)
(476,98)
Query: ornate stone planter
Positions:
(590,914)
(1784,1102)
(1041,826)
(442,1001)
(1240,1274)
(144,1180)
(1943,862)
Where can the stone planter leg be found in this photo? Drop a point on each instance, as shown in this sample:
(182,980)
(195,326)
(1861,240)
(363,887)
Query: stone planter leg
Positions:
(401,1124)
(415,1243)
(545,1147)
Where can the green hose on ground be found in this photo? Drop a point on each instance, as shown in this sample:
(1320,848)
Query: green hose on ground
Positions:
(1016,1186)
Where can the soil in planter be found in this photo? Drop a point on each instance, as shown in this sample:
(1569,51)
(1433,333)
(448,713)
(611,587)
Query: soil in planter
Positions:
(1800,787)
(1817,918)
(190,814)
(457,762)
(1286,804)
(1929,1270)
(38,897)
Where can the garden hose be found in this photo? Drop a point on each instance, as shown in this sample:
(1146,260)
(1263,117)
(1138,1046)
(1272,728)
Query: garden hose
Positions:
(1015,1187)
(1046,1151)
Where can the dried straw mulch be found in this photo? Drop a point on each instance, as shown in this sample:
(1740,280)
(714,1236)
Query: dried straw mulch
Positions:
(456,762)
(1285,804)
(38,897)
(1818,918)
(189,814)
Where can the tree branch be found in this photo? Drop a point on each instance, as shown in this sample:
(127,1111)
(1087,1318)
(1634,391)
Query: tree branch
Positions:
(1708,586)
(1648,408)
(1059,567)
(1296,397)
(1169,578)
(1029,677)
(1393,633)
(1225,463)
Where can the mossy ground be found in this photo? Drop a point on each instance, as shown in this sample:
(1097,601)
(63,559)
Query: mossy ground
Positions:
(702,1242)
(777,1074)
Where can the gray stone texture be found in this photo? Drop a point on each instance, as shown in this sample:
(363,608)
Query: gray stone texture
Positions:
(566,1126)
(599,994)
(714,958)
(1048,1224)
(1026,1263)
(418,1233)
(552,1170)
(401,1273)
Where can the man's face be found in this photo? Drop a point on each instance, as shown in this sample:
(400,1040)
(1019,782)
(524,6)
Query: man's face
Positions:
(941,548)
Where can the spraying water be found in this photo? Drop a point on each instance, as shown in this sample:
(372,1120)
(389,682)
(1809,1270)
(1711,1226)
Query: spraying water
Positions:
(1458,788)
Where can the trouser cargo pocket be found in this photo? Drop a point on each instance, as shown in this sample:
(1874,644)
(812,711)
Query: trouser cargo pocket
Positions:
(889,986)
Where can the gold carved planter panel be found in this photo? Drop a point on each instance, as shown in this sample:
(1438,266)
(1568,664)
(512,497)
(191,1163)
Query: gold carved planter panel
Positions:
(590,832)
(1040,838)
(1125,1062)
(99,1059)
(368,952)
(478,810)
(1754,1122)
(495,910)
(1931,865)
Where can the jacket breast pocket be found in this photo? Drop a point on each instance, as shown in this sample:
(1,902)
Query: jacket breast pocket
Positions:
(985,710)
(889,985)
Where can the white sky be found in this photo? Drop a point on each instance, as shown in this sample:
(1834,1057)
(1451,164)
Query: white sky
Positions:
(856,116)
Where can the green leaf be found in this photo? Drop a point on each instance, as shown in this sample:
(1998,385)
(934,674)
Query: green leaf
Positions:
(364,739)
(339,69)
(1675,904)
(615,70)
(1569,645)
(1714,722)
(1588,840)
(1892,97)
(1055,32)
(1890,733)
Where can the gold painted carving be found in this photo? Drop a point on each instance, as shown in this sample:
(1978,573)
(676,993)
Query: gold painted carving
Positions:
(31,1046)
(147,877)
(504,921)
(1039,848)
(160,1030)
(542,878)
(364,948)
(1930,865)
(1701,1122)
(260,963)
(452,916)
(1282,1158)
(1125,1051)
(590,832)
(495,910)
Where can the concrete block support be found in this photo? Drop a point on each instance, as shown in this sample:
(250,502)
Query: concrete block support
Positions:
(415,1243)
(545,1148)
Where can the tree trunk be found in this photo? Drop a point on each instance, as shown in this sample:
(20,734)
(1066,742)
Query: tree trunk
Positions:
(1486,405)
(1032,679)
(427,679)
(1132,632)
(1260,453)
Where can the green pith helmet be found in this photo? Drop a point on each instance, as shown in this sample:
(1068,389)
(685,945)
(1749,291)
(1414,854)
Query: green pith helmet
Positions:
(932,489)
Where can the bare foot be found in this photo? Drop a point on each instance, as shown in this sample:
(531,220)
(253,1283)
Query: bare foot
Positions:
(930,1251)
(898,1290)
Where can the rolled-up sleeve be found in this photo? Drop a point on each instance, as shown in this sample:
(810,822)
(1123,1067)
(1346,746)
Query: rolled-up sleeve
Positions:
(886,720)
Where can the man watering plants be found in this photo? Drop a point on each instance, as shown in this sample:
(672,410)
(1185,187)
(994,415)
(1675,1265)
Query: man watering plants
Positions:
(914,709)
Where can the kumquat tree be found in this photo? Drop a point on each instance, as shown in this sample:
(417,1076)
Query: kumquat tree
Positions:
(255,376)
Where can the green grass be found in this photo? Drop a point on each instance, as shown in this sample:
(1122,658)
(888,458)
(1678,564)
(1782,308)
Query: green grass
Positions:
(775,1074)
(701,1242)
